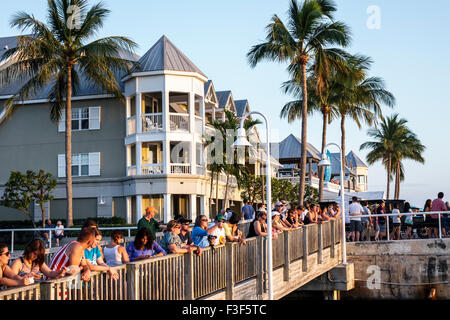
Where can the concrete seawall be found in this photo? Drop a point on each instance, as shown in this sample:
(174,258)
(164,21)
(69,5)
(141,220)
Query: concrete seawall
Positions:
(407,269)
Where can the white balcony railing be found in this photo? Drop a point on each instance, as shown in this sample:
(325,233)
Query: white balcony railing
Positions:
(131,171)
(179,122)
(152,122)
(180,168)
(200,170)
(198,125)
(131,126)
(152,169)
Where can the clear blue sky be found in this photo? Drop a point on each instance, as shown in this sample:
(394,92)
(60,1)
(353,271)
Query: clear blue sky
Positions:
(410,51)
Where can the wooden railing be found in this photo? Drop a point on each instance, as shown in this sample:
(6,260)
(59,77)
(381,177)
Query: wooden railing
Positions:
(188,276)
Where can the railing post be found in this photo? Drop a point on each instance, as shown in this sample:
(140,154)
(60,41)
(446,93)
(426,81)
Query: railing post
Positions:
(305,249)
(12,241)
(387,227)
(259,267)
(440,229)
(47,291)
(188,276)
(230,271)
(332,237)
(50,238)
(132,281)
(319,243)
(287,258)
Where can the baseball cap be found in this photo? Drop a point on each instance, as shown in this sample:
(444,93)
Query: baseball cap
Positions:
(278,204)
(275,213)
(184,220)
(220,217)
(151,209)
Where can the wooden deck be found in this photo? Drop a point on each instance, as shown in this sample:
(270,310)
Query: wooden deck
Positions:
(231,272)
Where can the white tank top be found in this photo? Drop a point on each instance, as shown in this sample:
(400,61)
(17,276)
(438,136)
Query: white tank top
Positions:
(112,256)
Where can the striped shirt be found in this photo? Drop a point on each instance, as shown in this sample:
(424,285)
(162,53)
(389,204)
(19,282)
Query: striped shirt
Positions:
(60,259)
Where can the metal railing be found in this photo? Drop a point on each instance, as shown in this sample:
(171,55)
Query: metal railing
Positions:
(179,122)
(180,168)
(131,125)
(152,169)
(422,224)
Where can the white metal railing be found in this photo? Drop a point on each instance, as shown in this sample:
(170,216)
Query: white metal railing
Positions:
(179,122)
(37,230)
(198,125)
(132,171)
(152,122)
(151,169)
(331,186)
(180,168)
(131,125)
(200,170)
(413,214)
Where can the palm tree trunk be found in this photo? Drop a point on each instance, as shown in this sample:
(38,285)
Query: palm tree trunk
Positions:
(43,215)
(324,143)
(397,181)
(226,192)
(211,192)
(304,138)
(343,144)
(389,176)
(69,148)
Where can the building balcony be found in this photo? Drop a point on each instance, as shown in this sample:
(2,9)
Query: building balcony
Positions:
(179,122)
(152,122)
(180,168)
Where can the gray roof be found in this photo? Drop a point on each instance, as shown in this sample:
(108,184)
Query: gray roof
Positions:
(208,85)
(291,149)
(165,56)
(10,42)
(240,107)
(223,97)
(353,161)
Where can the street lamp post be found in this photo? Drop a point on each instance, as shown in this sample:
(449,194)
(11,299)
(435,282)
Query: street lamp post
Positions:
(325,163)
(242,141)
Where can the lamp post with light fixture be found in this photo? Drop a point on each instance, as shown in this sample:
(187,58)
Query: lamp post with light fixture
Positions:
(326,163)
(242,142)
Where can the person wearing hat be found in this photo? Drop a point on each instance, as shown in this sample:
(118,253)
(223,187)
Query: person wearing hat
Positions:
(277,226)
(219,232)
(149,222)
(185,233)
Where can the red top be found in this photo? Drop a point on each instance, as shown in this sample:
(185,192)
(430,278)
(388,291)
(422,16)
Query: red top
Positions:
(438,205)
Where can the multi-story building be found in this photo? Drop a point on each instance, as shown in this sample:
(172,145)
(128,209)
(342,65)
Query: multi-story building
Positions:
(147,151)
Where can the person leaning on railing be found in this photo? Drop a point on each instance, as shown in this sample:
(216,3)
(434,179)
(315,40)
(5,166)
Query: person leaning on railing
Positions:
(7,277)
(171,242)
(94,260)
(144,246)
(33,262)
(232,231)
(201,232)
(114,253)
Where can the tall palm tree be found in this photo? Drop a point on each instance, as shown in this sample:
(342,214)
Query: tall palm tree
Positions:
(388,139)
(307,37)
(360,97)
(57,54)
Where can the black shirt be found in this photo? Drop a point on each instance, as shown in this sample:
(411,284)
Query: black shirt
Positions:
(186,239)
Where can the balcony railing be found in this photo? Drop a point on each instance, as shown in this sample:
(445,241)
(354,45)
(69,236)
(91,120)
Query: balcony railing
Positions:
(180,168)
(151,169)
(152,122)
(200,170)
(179,122)
(131,126)
(131,171)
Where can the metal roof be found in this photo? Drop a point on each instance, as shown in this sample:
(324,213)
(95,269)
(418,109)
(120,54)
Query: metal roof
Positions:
(7,43)
(241,106)
(291,148)
(353,161)
(165,56)
(223,97)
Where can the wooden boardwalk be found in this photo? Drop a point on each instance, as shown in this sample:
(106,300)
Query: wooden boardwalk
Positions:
(229,272)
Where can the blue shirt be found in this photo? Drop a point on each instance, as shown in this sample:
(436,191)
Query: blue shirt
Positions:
(200,237)
(92,255)
(249,212)
(133,253)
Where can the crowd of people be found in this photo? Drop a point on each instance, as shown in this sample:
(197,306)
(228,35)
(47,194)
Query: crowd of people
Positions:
(84,255)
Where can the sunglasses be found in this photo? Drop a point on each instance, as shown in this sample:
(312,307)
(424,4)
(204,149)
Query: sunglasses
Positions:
(205,220)
(7,253)
(186,224)
(221,221)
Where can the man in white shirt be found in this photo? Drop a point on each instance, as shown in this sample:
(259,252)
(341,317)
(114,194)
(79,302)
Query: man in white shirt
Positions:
(219,232)
(355,210)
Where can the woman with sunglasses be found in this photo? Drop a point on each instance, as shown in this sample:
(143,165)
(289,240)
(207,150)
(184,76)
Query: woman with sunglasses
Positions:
(7,277)
(171,241)
(201,232)
(32,262)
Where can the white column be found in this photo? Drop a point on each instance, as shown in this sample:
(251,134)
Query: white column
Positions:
(138,158)
(191,109)
(166,156)
(167,207)
(203,207)
(138,112)
(139,208)
(129,210)
(165,111)
(202,114)
(192,206)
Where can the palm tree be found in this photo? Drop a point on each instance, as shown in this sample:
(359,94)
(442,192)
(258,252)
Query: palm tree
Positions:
(360,98)
(57,55)
(393,142)
(306,38)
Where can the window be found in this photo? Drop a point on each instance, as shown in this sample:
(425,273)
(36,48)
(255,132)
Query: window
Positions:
(83,164)
(361,179)
(87,118)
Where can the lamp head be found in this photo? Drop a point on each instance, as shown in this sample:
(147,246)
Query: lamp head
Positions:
(241,141)
(324,162)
